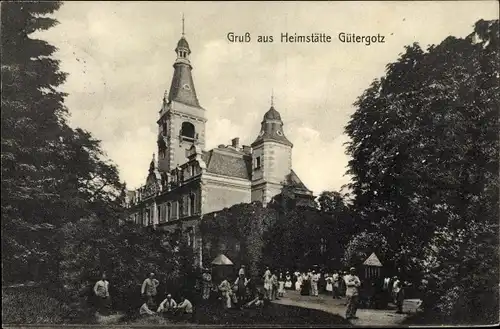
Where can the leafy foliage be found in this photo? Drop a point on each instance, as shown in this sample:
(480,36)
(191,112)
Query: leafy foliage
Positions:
(242,224)
(424,147)
(51,173)
(362,245)
(126,252)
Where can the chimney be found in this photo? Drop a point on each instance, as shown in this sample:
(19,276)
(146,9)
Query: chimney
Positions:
(235,142)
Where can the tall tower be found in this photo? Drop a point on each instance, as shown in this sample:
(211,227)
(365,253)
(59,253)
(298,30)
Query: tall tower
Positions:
(271,156)
(182,119)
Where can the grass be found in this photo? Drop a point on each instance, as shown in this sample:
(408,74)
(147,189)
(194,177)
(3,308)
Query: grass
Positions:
(36,306)
(31,306)
(273,314)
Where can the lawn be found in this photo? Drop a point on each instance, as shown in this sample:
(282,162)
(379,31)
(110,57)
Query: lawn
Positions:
(31,306)
(37,306)
(272,314)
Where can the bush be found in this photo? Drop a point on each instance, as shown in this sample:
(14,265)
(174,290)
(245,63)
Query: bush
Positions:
(362,245)
(126,252)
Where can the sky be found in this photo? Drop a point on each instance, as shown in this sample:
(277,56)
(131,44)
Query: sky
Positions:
(119,56)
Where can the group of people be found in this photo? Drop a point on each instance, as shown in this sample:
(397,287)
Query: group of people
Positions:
(149,292)
(243,292)
(168,306)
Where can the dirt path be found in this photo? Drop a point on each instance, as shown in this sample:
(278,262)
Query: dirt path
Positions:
(367,317)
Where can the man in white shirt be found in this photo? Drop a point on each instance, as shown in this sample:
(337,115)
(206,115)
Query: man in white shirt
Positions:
(148,288)
(185,308)
(352,283)
(168,305)
(101,290)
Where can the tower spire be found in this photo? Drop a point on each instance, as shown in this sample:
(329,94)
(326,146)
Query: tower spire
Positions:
(272,97)
(182,24)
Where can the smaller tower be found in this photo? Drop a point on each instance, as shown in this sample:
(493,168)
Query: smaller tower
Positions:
(271,157)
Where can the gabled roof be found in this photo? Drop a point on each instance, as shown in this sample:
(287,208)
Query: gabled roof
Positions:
(373,261)
(231,163)
(222,260)
(294,181)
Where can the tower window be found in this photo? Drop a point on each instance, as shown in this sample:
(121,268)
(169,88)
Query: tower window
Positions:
(159,213)
(188,130)
(192,204)
(164,128)
(257,163)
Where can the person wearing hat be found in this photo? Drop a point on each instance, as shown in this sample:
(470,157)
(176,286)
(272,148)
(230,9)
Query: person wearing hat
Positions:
(352,283)
(148,288)
(206,283)
(168,305)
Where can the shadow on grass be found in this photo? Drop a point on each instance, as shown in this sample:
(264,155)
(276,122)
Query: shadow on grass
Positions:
(272,314)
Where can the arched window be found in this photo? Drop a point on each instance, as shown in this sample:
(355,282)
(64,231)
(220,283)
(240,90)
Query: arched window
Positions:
(188,130)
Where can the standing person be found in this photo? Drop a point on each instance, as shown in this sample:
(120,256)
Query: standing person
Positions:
(226,292)
(241,289)
(336,285)
(288,281)
(306,285)
(101,290)
(314,283)
(206,284)
(399,295)
(274,286)
(298,282)
(268,285)
(329,284)
(149,289)
(352,283)
(281,285)
(395,283)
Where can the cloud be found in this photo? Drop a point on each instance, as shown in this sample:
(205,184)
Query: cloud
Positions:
(119,57)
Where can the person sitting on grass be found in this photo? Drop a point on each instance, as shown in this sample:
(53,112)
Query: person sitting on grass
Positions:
(168,305)
(257,302)
(145,308)
(184,309)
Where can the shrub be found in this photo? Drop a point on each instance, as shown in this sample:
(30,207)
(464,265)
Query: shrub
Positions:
(126,252)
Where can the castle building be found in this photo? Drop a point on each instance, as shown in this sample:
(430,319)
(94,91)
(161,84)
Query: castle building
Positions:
(187,181)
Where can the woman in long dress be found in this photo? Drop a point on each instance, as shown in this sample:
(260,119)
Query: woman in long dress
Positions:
(288,281)
(306,285)
(329,283)
(281,285)
(298,283)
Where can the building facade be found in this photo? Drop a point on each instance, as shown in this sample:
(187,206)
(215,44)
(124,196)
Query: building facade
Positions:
(187,181)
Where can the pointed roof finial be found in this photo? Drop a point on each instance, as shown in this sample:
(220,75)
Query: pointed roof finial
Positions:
(182,24)
(272,97)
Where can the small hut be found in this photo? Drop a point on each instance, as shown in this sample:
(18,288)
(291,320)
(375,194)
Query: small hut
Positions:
(222,267)
(372,266)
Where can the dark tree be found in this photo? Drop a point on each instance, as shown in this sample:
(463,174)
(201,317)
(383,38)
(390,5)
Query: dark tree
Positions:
(51,173)
(424,147)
